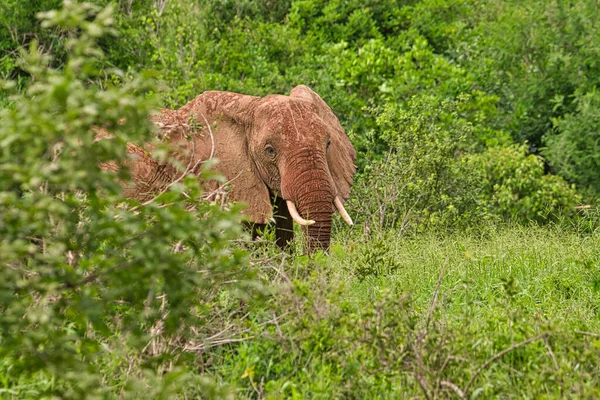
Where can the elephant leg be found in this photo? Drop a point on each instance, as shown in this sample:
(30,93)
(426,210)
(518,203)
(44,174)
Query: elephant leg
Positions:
(284,225)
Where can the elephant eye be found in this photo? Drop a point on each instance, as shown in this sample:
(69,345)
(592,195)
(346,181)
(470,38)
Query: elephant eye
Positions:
(328,143)
(270,150)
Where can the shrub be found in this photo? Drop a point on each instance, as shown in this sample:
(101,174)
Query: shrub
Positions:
(573,148)
(87,275)
(515,187)
(422,181)
(18,27)
(533,55)
(433,176)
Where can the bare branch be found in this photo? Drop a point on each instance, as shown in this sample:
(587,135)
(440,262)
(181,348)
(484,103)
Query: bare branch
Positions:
(588,333)
(212,138)
(436,293)
(551,353)
(423,385)
(502,353)
(215,343)
(455,388)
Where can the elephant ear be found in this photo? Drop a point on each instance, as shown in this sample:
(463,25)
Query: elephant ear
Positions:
(222,121)
(341,155)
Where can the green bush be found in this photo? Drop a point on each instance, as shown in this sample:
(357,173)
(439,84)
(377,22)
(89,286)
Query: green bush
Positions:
(422,183)
(18,26)
(345,21)
(514,186)
(435,174)
(573,149)
(90,278)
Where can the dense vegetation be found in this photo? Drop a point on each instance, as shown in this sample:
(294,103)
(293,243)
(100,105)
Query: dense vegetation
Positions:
(474,267)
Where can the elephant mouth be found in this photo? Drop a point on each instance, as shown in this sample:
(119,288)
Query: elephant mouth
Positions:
(306,222)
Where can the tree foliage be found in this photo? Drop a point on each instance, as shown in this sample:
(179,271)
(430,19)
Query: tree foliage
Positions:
(422,182)
(573,148)
(79,261)
(523,65)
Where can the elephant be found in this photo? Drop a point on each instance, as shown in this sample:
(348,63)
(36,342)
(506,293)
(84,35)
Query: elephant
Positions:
(287,157)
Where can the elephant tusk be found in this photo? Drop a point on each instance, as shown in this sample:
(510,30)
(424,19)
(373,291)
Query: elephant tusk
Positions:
(342,210)
(295,216)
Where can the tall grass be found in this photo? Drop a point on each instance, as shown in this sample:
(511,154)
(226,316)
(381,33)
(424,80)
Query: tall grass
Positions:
(513,313)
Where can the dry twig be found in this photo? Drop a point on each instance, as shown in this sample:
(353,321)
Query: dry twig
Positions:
(455,388)
(588,333)
(436,293)
(502,353)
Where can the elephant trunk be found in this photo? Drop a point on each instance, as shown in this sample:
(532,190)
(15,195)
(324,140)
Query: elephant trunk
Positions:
(308,186)
(318,234)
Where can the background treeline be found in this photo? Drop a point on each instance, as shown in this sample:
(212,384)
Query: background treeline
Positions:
(471,272)
(502,93)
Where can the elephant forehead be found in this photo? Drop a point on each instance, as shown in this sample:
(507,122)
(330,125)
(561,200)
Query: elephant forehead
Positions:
(291,117)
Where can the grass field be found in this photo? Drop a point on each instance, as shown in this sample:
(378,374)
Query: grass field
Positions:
(513,313)
(509,313)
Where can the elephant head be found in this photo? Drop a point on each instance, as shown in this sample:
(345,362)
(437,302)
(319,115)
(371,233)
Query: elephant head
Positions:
(285,156)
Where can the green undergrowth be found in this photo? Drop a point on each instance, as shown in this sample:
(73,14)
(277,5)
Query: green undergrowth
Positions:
(388,317)
(508,312)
